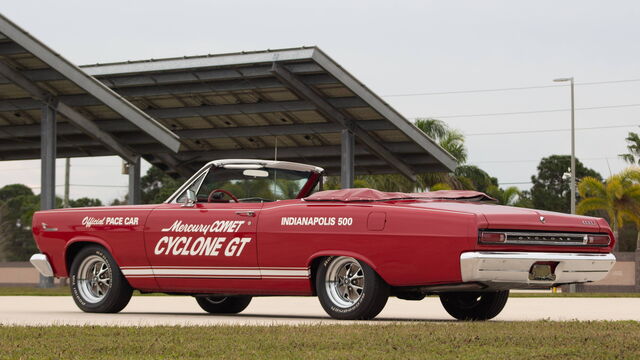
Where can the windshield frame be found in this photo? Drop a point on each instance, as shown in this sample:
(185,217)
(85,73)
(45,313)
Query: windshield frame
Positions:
(315,174)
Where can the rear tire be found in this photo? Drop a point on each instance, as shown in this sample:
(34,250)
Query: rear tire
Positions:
(474,305)
(349,289)
(223,304)
(97,284)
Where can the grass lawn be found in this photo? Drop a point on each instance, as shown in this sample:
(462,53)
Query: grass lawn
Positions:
(573,295)
(34,291)
(483,340)
(64,291)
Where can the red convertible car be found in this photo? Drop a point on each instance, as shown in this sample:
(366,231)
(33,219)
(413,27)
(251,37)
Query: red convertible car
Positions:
(243,228)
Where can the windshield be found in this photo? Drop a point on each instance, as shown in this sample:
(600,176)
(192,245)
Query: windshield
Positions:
(251,185)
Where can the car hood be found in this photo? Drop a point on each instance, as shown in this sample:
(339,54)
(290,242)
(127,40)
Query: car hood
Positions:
(501,217)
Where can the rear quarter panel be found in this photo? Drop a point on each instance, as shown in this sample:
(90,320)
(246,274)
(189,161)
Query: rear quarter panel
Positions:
(415,247)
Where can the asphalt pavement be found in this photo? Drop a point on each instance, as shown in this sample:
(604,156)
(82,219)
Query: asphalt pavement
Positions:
(183,310)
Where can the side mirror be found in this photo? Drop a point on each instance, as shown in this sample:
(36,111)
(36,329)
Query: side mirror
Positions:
(191,199)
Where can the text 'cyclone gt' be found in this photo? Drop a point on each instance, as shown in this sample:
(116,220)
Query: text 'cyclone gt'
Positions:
(244,228)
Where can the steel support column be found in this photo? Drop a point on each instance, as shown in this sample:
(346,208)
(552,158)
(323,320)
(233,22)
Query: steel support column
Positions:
(333,114)
(48,168)
(48,157)
(134,182)
(347,159)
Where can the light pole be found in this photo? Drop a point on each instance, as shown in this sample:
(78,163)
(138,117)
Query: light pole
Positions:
(573,146)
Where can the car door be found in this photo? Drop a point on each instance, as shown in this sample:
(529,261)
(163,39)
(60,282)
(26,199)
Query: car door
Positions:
(207,246)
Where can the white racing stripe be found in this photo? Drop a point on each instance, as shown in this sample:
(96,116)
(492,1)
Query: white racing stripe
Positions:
(303,273)
(215,272)
(128,272)
(222,272)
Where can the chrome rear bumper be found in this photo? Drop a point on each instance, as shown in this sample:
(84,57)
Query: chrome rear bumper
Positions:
(512,268)
(41,262)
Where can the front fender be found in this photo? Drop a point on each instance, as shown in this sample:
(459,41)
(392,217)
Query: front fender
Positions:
(72,246)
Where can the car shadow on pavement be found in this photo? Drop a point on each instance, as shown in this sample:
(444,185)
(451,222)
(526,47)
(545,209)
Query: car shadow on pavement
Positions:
(284,317)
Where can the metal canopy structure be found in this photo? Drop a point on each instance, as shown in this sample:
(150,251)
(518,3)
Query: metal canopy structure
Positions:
(37,130)
(245,105)
(290,104)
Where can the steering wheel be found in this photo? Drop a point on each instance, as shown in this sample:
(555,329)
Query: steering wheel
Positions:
(221,191)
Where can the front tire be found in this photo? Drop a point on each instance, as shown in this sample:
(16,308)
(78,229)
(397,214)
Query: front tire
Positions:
(474,305)
(223,304)
(97,284)
(349,289)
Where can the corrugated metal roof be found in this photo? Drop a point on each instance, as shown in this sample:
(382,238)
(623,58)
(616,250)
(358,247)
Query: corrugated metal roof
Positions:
(237,105)
(23,94)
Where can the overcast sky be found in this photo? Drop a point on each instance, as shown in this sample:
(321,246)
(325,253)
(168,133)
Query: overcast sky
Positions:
(396,48)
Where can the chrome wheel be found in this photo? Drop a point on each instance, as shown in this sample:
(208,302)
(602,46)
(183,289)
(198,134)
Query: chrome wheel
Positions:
(94,279)
(344,282)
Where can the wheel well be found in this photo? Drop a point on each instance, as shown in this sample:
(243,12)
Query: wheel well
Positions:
(73,250)
(315,263)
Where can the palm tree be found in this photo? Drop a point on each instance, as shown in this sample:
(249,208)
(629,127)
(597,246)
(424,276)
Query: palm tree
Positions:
(434,128)
(619,197)
(508,196)
(633,157)
(449,139)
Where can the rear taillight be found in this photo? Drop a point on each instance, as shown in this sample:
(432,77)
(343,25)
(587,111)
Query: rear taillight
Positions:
(492,237)
(597,239)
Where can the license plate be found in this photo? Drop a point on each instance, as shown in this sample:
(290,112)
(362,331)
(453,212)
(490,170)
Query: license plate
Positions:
(541,272)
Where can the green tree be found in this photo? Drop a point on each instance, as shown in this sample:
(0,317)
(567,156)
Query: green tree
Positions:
(331,183)
(551,189)
(509,196)
(244,189)
(361,181)
(453,142)
(156,186)
(619,197)
(633,146)
(14,190)
(118,202)
(387,182)
(85,202)
(449,139)
(524,199)
(475,178)
(433,128)
(18,207)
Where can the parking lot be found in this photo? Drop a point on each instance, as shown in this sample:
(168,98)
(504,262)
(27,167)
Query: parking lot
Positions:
(176,310)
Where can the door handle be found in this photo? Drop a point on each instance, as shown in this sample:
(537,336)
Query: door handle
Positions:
(246,213)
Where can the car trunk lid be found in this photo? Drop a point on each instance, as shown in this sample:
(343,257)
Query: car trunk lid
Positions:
(515,218)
